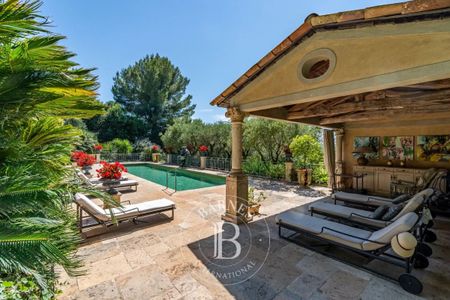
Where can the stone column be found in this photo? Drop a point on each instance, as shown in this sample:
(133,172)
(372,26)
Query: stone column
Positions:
(236,199)
(288,170)
(339,168)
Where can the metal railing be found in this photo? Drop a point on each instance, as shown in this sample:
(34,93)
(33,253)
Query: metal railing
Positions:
(212,163)
(175,180)
(111,156)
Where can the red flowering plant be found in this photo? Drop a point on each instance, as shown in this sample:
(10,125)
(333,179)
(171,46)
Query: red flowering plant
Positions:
(75,155)
(155,149)
(111,170)
(98,148)
(203,150)
(85,160)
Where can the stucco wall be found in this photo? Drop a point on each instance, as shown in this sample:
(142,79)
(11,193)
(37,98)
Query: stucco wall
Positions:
(430,127)
(366,58)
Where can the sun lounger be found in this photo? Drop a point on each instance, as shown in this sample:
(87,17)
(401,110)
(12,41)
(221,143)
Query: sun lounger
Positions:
(373,245)
(368,217)
(97,183)
(126,213)
(374,201)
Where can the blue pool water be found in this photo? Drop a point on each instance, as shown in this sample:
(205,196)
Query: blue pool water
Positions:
(177,179)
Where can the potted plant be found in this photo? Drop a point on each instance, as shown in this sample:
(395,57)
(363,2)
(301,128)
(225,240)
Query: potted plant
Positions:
(110,173)
(85,161)
(155,153)
(306,151)
(75,156)
(254,202)
(97,149)
(203,154)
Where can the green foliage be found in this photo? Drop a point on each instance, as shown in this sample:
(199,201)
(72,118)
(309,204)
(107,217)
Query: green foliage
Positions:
(18,286)
(153,89)
(255,199)
(254,166)
(268,138)
(117,123)
(118,146)
(142,145)
(39,86)
(319,174)
(195,133)
(306,151)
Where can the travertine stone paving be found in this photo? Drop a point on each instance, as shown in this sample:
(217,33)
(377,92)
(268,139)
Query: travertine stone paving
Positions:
(162,259)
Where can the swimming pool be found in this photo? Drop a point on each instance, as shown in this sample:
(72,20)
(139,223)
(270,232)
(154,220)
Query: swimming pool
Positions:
(177,179)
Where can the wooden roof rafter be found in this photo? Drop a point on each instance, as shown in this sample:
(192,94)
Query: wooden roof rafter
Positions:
(430,97)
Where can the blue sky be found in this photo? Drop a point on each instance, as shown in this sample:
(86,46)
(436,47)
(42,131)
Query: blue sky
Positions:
(212,42)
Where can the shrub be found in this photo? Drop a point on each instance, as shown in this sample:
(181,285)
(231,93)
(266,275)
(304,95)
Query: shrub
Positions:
(306,151)
(118,146)
(254,166)
(319,174)
(15,286)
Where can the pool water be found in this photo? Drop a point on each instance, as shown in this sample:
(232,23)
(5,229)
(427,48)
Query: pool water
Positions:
(177,179)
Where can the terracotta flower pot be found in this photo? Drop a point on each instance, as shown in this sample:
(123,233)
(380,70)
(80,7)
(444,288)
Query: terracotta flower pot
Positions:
(304,177)
(254,209)
(155,157)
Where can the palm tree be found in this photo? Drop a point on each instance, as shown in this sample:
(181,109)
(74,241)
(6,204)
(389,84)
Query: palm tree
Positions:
(39,86)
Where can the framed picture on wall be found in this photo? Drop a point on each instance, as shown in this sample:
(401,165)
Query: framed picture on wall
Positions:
(367,145)
(397,147)
(433,148)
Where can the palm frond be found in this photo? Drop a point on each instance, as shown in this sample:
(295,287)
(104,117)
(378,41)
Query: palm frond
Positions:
(20,18)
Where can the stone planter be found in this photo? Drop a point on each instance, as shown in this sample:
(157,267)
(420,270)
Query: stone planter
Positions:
(202,162)
(288,171)
(169,158)
(97,157)
(304,177)
(254,209)
(156,157)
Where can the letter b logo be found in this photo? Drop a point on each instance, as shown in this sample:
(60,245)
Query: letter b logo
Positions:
(219,240)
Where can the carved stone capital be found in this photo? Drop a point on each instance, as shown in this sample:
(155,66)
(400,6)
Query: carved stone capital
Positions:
(339,132)
(235,114)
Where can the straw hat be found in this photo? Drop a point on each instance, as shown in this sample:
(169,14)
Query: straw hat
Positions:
(404,244)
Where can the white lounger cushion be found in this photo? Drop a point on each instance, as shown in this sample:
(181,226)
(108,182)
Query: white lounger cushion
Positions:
(316,226)
(124,183)
(345,212)
(359,198)
(375,200)
(89,205)
(122,212)
(364,217)
(142,208)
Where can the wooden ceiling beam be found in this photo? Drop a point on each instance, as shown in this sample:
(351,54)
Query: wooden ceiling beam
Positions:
(389,114)
(416,100)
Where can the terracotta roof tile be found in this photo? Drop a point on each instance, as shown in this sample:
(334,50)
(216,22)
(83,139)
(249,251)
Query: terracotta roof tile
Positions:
(424,5)
(241,80)
(351,15)
(282,46)
(325,19)
(370,13)
(252,71)
(301,31)
(228,91)
(266,59)
(383,10)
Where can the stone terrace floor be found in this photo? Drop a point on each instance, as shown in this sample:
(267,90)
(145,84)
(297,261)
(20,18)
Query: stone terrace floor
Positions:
(164,259)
